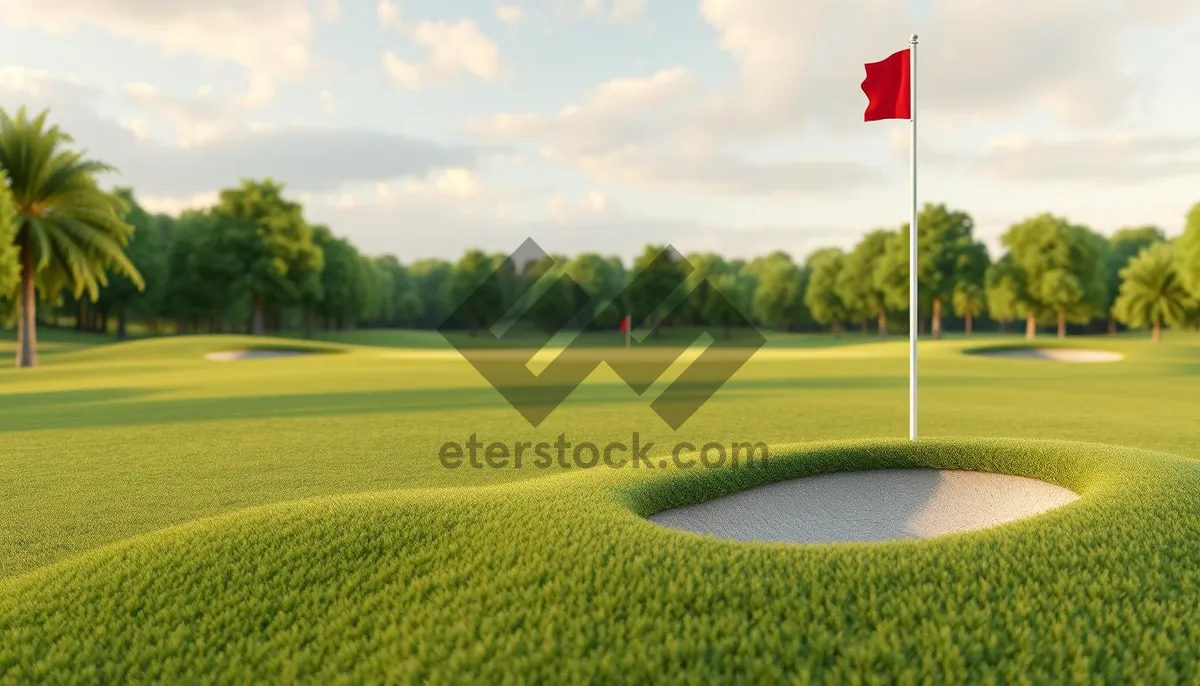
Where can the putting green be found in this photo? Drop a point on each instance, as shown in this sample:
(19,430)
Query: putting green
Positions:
(562,579)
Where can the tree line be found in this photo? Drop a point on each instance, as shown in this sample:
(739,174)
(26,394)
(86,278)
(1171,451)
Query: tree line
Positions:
(252,262)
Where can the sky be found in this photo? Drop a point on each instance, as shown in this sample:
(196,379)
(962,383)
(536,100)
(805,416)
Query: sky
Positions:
(421,128)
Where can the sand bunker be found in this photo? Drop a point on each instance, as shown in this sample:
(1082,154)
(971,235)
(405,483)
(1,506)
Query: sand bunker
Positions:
(235,355)
(869,506)
(1055,354)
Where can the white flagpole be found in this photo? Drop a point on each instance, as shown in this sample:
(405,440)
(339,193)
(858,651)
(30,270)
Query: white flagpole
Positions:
(913,300)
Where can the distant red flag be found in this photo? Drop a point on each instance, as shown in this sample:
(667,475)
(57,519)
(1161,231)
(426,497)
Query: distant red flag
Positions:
(888,88)
(625,324)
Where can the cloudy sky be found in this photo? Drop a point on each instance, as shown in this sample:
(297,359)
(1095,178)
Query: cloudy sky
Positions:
(422,127)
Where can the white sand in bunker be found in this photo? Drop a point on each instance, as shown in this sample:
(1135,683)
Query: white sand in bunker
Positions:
(1055,355)
(872,505)
(235,355)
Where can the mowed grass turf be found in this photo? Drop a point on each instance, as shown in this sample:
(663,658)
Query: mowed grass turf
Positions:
(110,454)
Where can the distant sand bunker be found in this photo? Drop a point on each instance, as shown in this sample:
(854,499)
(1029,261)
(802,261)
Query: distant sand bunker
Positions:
(873,505)
(235,355)
(1056,355)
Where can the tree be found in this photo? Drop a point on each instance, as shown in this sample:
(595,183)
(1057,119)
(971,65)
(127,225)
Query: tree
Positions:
(1122,247)
(278,255)
(856,284)
(344,280)
(430,281)
(721,304)
(947,255)
(379,289)
(749,275)
(471,270)
(555,306)
(891,274)
(1188,252)
(968,303)
(779,294)
(1063,269)
(10,268)
(408,309)
(148,252)
(1152,292)
(206,280)
(656,273)
(821,296)
(602,278)
(68,232)
(1004,290)
(706,268)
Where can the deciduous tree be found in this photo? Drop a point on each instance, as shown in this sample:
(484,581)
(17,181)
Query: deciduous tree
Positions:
(779,299)
(857,286)
(968,303)
(1063,269)
(821,295)
(278,256)
(148,251)
(655,275)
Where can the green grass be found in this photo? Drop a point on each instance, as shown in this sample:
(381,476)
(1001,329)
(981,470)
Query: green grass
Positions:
(175,519)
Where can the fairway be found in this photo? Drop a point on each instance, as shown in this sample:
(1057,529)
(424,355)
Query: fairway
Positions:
(304,496)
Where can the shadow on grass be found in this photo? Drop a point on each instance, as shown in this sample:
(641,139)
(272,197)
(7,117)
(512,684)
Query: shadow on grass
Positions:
(18,402)
(97,408)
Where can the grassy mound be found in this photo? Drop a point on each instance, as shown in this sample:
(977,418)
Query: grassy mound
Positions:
(562,580)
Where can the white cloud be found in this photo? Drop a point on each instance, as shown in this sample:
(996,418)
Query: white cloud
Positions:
(451,51)
(388,14)
(176,204)
(304,157)
(197,120)
(635,132)
(269,39)
(141,128)
(31,82)
(561,209)
(509,14)
(614,109)
(455,182)
(404,74)
(1113,159)
(329,10)
(627,10)
(616,10)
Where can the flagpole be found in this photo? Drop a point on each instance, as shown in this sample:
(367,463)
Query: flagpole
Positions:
(913,300)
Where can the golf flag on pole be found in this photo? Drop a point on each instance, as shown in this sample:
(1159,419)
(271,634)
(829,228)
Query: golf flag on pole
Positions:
(626,328)
(891,89)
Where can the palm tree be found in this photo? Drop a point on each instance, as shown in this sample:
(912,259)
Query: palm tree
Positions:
(66,229)
(1152,294)
(968,303)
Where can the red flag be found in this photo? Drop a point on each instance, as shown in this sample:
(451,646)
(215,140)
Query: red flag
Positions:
(888,88)
(625,324)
